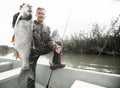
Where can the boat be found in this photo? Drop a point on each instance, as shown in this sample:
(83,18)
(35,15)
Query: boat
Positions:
(67,77)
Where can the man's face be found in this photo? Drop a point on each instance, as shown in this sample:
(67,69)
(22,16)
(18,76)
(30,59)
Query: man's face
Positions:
(40,14)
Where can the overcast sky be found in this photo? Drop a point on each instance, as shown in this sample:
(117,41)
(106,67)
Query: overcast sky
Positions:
(84,13)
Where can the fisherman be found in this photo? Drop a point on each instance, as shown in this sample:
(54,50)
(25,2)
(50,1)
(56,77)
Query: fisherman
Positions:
(42,44)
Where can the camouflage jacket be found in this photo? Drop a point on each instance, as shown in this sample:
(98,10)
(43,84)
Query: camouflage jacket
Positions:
(41,36)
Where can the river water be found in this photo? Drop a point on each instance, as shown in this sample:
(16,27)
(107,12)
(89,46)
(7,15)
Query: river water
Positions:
(104,63)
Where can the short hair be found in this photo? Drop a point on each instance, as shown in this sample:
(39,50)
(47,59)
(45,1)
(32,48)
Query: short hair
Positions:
(40,8)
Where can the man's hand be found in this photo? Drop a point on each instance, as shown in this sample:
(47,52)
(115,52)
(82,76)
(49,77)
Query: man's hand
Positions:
(36,26)
(58,48)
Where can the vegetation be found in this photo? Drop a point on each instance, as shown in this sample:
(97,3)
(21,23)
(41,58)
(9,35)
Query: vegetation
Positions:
(96,41)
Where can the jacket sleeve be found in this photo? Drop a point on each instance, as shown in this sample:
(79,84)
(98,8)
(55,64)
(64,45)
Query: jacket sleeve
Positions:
(14,19)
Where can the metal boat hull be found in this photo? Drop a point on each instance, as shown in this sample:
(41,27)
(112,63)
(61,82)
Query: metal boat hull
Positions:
(61,78)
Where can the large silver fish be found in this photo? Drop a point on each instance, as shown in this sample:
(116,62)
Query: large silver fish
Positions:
(23,39)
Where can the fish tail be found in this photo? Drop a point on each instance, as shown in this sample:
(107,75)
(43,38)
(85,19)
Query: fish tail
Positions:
(25,73)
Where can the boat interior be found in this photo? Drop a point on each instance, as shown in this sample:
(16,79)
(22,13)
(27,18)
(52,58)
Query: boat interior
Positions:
(60,78)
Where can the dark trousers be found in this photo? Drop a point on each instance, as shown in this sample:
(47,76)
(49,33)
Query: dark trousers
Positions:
(33,62)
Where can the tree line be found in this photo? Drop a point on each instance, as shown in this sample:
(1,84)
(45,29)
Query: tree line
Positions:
(96,41)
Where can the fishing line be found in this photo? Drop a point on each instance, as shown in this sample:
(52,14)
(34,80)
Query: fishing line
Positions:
(112,28)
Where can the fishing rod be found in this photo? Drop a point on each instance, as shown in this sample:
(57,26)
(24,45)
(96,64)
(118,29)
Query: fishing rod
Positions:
(49,79)
(62,40)
(67,24)
(112,28)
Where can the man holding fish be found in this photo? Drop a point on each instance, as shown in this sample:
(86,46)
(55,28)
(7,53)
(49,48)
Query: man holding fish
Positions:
(42,44)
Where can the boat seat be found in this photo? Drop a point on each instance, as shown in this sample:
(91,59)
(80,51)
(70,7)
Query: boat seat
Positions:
(81,84)
(5,66)
(8,74)
(8,77)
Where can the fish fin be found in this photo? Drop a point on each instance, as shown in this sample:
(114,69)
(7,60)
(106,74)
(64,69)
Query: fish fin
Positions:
(17,56)
(31,74)
(13,39)
(22,75)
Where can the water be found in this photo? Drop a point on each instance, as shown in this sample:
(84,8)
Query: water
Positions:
(105,63)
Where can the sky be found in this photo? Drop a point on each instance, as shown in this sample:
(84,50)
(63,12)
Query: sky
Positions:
(83,14)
